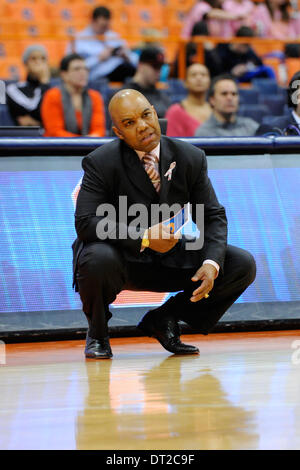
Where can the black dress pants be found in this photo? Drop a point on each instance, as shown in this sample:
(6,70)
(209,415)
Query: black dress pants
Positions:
(103,273)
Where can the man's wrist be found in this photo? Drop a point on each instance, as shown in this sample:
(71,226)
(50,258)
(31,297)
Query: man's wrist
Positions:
(210,261)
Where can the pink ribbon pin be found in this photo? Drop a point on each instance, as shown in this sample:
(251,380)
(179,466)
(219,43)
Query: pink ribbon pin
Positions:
(169,172)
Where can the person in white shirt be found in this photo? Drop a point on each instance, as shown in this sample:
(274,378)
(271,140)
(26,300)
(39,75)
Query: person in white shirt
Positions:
(107,57)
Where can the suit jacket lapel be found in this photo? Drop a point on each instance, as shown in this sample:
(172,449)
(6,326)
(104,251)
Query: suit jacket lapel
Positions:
(136,172)
(165,159)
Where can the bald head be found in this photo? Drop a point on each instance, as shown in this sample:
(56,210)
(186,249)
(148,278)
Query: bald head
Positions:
(135,120)
(127,98)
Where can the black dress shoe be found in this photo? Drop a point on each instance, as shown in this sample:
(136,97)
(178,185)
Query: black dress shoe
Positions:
(166,331)
(97,348)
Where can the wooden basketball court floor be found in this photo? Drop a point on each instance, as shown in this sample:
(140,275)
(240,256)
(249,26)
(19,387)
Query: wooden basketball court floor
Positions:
(241,392)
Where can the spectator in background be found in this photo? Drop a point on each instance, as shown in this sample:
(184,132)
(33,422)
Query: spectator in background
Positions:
(288,124)
(273,19)
(146,78)
(108,57)
(24,98)
(211,58)
(243,10)
(185,117)
(224,121)
(210,11)
(71,110)
(241,61)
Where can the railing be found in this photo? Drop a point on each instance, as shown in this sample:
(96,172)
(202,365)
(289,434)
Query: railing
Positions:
(213,146)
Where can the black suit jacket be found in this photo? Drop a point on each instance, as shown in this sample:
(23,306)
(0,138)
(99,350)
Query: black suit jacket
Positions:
(115,170)
(280,122)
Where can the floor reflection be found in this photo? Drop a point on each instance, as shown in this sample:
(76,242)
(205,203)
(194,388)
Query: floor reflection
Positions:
(137,405)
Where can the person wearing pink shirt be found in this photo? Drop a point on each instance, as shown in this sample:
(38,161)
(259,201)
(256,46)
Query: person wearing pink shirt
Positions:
(185,117)
(274,20)
(218,20)
(241,8)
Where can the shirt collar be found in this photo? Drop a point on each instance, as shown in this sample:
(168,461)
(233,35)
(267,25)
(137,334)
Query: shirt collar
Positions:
(221,124)
(155,151)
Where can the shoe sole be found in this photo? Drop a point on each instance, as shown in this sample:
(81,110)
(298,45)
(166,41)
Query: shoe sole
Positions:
(146,331)
(97,357)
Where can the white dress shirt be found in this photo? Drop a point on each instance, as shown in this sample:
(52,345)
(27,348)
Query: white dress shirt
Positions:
(155,151)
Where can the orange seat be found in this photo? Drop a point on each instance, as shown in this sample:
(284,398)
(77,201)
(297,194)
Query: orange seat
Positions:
(292,66)
(173,20)
(69,13)
(268,47)
(61,30)
(142,18)
(24,12)
(10,48)
(34,29)
(12,69)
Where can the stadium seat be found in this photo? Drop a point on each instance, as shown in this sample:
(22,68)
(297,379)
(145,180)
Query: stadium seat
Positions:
(28,12)
(249,95)
(70,13)
(275,103)
(143,18)
(5,118)
(254,111)
(10,48)
(266,86)
(270,119)
(11,69)
(176,86)
(292,66)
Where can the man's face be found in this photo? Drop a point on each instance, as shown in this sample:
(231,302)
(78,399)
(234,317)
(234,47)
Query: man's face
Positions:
(77,74)
(100,25)
(151,74)
(36,61)
(197,79)
(226,98)
(136,123)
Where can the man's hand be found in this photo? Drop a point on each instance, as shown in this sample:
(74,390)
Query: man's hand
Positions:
(105,54)
(27,121)
(160,238)
(41,71)
(207,274)
(239,70)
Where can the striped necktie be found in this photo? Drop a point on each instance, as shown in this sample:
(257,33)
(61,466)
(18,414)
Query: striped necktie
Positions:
(149,161)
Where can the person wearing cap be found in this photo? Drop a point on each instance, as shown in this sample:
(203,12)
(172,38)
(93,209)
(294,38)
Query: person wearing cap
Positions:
(146,77)
(24,98)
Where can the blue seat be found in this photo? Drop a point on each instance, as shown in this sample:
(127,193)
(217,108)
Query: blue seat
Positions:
(270,119)
(254,111)
(267,86)
(249,95)
(176,86)
(177,97)
(5,118)
(275,104)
